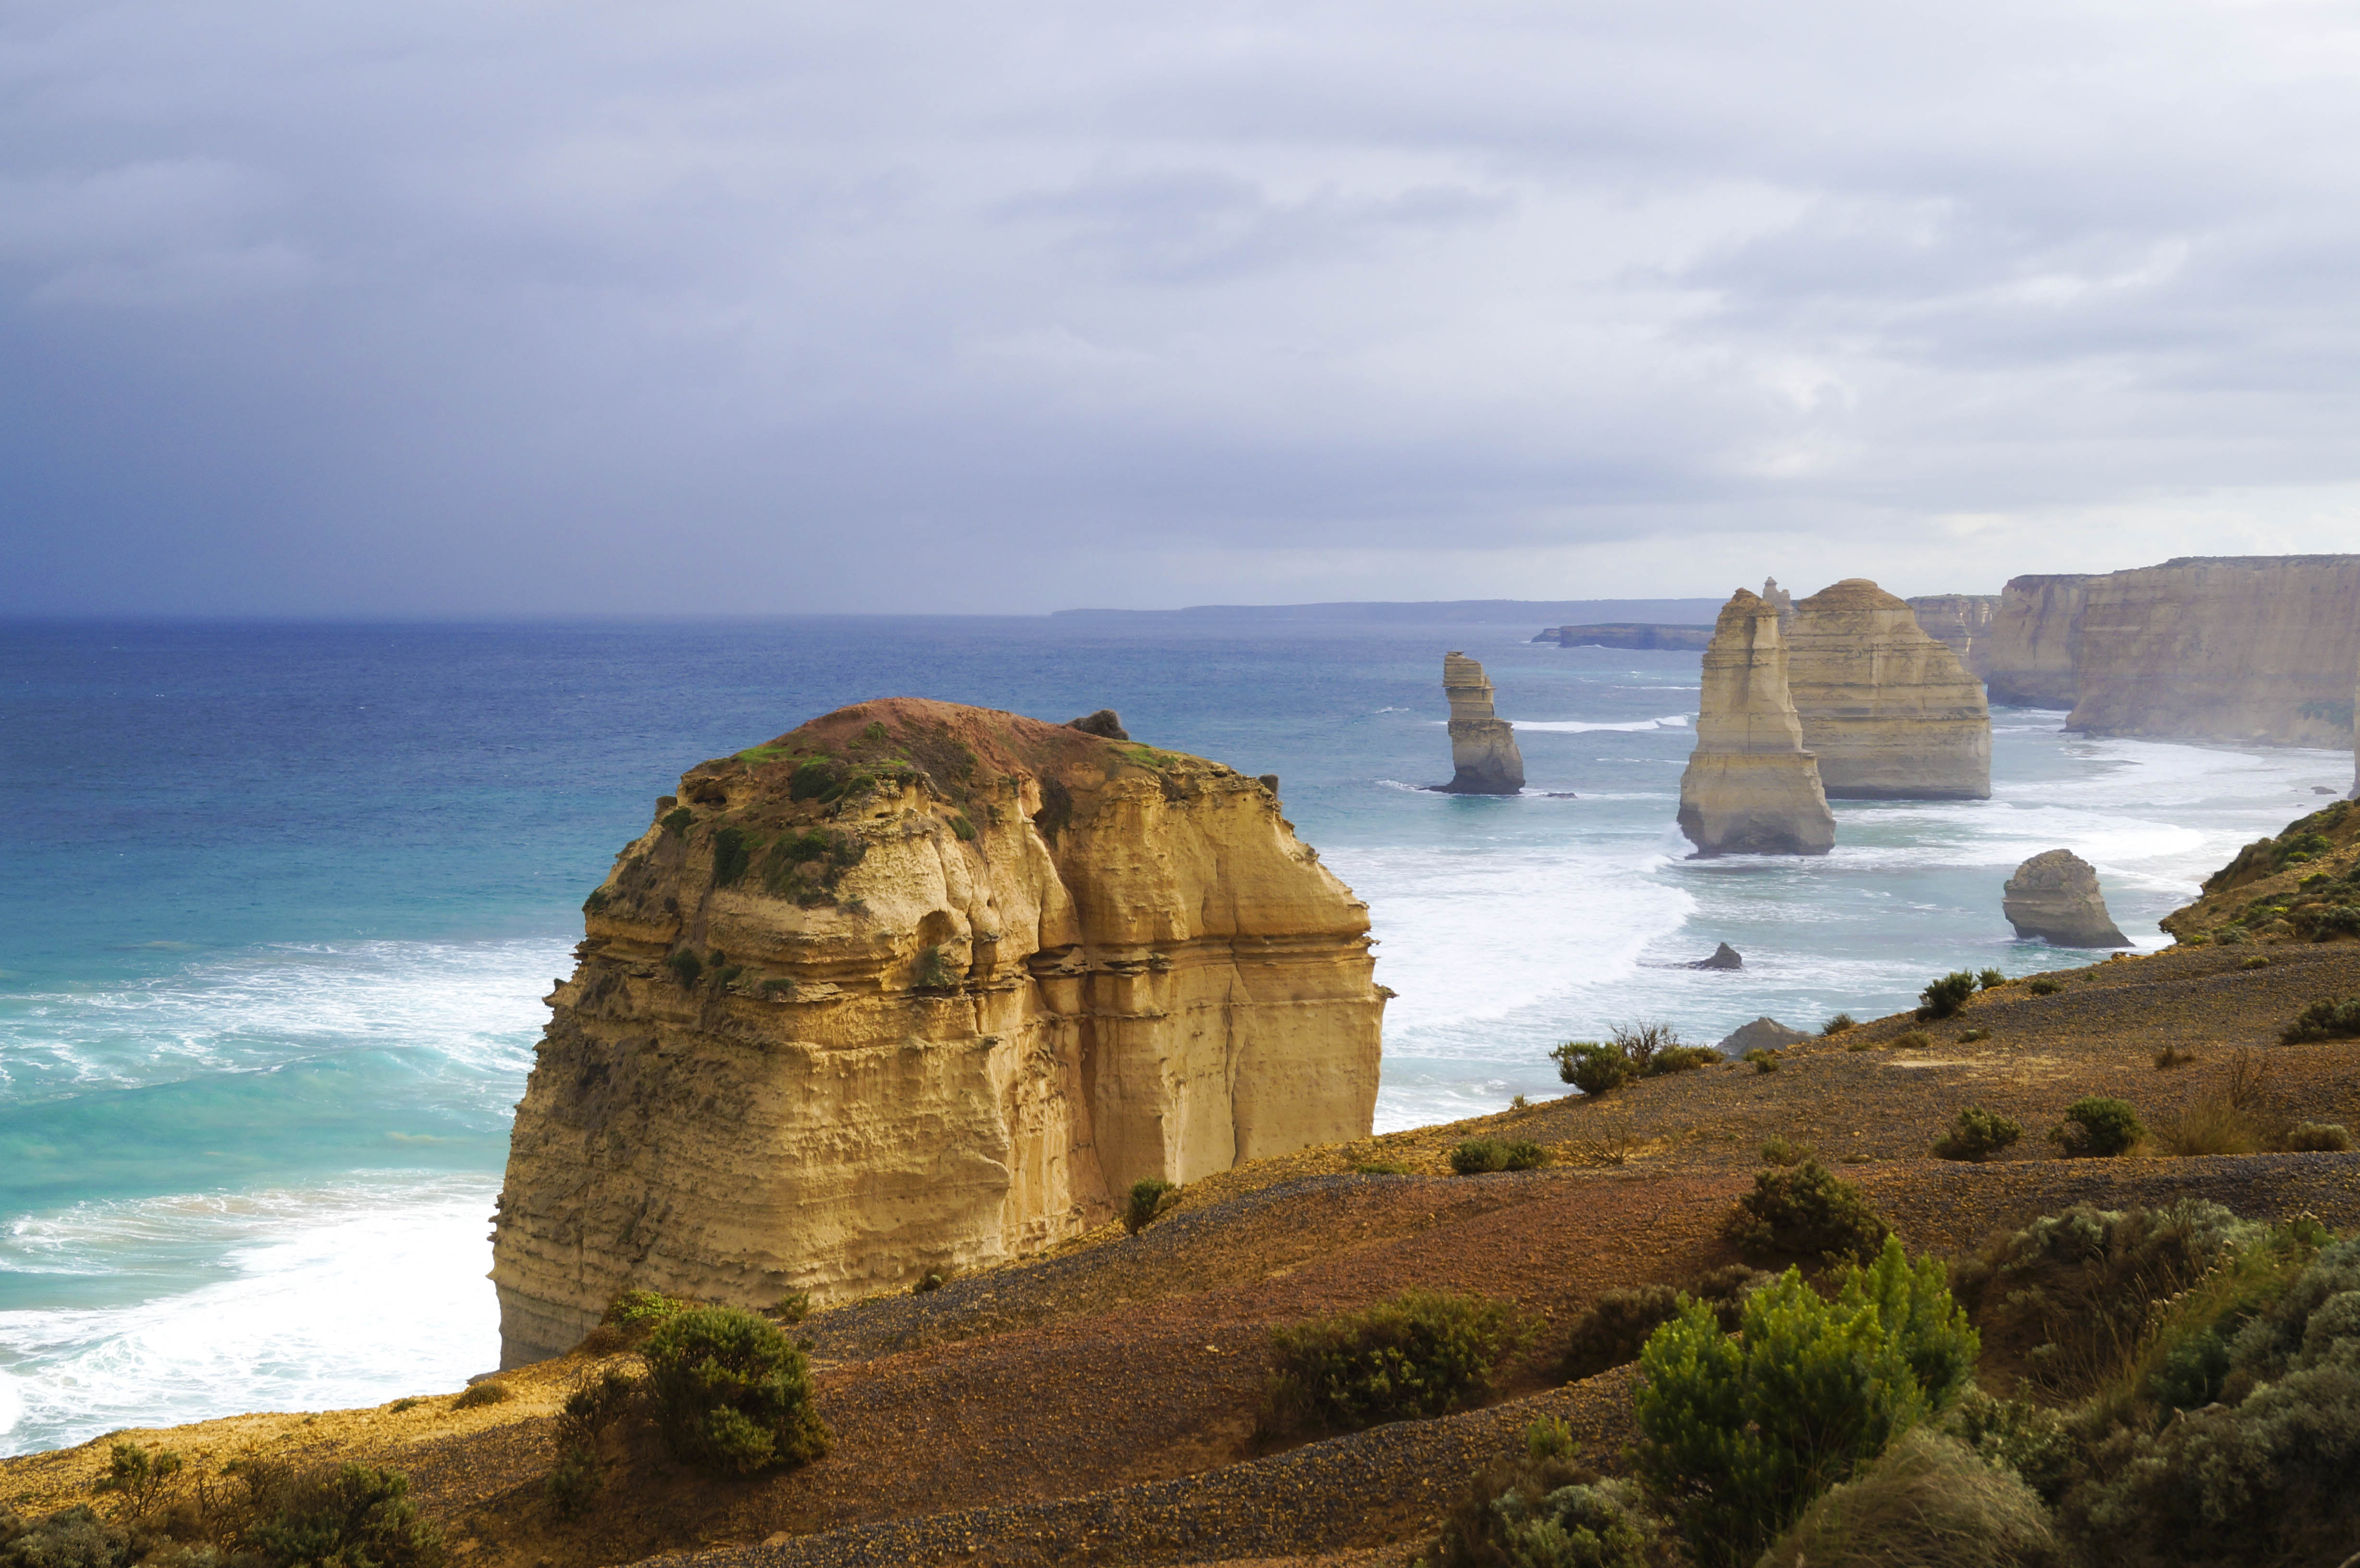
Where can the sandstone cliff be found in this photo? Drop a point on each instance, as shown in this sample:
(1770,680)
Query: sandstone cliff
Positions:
(2054,896)
(2220,648)
(1483,755)
(918,987)
(1962,621)
(1750,788)
(2036,642)
(1889,711)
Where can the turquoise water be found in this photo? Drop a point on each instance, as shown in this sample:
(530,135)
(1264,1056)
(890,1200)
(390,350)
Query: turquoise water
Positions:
(282,900)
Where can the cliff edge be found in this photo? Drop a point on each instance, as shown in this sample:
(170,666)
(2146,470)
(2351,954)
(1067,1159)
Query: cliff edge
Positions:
(920,987)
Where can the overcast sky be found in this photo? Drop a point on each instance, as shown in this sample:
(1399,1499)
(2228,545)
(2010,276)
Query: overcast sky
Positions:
(459,307)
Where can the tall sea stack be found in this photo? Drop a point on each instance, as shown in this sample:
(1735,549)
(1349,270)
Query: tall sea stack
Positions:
(1889,711)
(1750,786)
(1483,755)
(918,986)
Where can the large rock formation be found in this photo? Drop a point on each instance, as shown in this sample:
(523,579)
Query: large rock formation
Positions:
(1630,634)
(2054,896)
(1750,788)
(2219,648)
(1889,711)
(1483,754)
(918,987)
(2031,656)
(1960,622)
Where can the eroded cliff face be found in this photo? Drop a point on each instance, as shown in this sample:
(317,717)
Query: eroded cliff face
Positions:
(1750,788)
(2034,645)
(1889,711)
(1483,755)
(918,987)
(1960,622)
(2218,647)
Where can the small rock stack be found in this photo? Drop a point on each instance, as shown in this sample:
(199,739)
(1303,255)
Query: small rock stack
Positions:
(1483,754)
(2054,896)
(1750,788)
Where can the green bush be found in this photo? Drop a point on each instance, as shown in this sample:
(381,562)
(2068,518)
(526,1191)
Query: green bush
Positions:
(1837,1025)
(478,1395)
(1592,1067)
(1943,997)
(1682,1059)
(792,1307)
(1930,1502)
(1150,1196)
(2097,1127)
(1479,1156)
(637,1313)
(139,1476)
(350,1516)
(733,852)
(933,1279)
(1780,1150)
(1547,1512)
(1421,1354)
(2325,1020)
(1612,1329)
(2319,1138)
(931,970)
(2029,1441)
(1763,1061)
(2254,961)
(961,826)
(596,902)
(574,1481)
(1977,1134)
(1738,1433)
(2042,986)
(686,967)
(1991,980)
(731,1392)
(1968,1036)
(1912,1039)
(1805,1212)
(677,821)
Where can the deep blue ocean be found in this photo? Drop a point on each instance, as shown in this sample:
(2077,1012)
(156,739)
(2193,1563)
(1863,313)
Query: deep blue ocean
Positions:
(280,902)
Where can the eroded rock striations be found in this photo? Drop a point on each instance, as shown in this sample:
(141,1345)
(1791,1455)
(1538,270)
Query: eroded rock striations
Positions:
(1483,755)
(1960,622)
(2054,896)
(918,987)
(1750,788)
(1889,711)
(2032,655)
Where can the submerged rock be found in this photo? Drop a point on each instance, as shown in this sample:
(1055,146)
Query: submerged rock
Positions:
(1483,755)
(1724,957)
(1750,788)
(922,987)
(1889,711)
(1761,1034)
(2054,896)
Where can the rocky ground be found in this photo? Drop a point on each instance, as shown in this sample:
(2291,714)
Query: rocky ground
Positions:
(1098,1405)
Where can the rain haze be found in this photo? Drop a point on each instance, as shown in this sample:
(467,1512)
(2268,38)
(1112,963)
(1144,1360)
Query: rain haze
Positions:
(436,308)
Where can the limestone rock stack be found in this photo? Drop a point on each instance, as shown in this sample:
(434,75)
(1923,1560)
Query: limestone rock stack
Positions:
(1962,621)
(1750,788)
(1780,601)
(918,987)
(2033,656)
(1483,755)
(2054,896)
(1889,711)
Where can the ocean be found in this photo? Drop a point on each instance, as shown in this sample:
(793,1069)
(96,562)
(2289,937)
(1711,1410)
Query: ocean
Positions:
(282,900)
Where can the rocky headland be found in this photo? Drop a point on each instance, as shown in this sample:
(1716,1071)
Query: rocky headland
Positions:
(2055,897)
(1630,634)
(1750,788)
(918,988)
(1483,755)
(1888,711)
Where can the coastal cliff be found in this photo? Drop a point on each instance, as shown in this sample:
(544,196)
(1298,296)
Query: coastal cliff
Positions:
(1962,621)
(2035,646)
(920,987)
(2220,648)
(1750,788)
(1483,755)
(1889,711)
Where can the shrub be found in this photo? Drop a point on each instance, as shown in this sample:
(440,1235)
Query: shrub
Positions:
(2028,1440)
(351,1515)
(733,852)
(2097,1127)
(1991,980)
(1547,1513)
(407,1402)
(2170,1057)
(574,1481)
(1613,1328)
(637,1313)
(1150,1196)
(1592,1067)
(1763,1061)
(1805,1212)
(1421,1354)
(1640,1043)
(1862,1045)
(1780,1150)
(596,902)
(931,970)
(1837,1025)
(677,821)
(1912,1039)
(1968,1036)
(1681,1059)
(1928,1503)
(1739,1432)
(686,967)
(792,1307)
(1943,997)
(2254,961)
(961,826)
(2068,1295)
(1478,1156)
(933,1279)
(2042,986)
(478,1395)
(140,1476)
(2319,1138)
(2210,1124)
(732,1393)
(594,1406)
(1977,1134)
(2325,1020)
(1381,1168)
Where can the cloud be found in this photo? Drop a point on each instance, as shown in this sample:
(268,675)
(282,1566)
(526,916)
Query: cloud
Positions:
(444,308)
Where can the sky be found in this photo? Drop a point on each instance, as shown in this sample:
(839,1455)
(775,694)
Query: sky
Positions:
(490,308)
